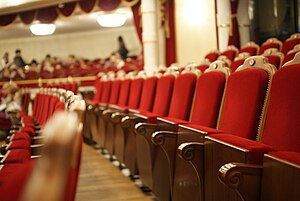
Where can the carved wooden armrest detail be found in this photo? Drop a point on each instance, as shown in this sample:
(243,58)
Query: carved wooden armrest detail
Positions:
(91,107)
(107,114)
(129,121)
(143,128)
(159,137)
(187,150)
(243,178)
(117,117)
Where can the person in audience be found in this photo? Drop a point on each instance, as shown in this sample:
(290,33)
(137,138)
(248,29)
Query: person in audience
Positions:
(18,60)
(123,51)
(47,61)
(10,104)
(5,75)
(114,60)
(5,61)
(34,66)
(71,61)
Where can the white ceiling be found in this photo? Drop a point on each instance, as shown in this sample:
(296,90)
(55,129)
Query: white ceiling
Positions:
(78,22)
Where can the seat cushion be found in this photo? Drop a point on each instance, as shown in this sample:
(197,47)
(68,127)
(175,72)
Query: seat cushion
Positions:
(175,120)
(292,157)
(19,144)
(256,149)
(17,156)
(20,136)
(13,179)
(204,128)
(149,115)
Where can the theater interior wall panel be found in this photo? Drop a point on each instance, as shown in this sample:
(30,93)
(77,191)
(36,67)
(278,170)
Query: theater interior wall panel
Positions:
(88,44)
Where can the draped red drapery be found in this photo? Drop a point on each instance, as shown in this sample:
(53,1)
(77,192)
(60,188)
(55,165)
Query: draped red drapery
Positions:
(50,14)
(136,11)
(234,36)
(170,32)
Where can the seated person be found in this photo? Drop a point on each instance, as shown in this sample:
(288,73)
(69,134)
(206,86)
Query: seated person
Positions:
(10,103)
(34,66)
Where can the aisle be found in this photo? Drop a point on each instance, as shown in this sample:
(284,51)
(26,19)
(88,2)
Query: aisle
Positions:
(100,180)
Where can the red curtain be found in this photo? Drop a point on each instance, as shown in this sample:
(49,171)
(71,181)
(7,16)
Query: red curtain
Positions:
(47,15)
(109,5)
(87,5)
(170,32)
(28,16)
(137,19)
(234,36)
(7,19)
(67,9)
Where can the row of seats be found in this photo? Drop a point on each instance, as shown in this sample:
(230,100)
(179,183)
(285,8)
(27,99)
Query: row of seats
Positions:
(37,144)
(144,122)
(277,52)
(87,68)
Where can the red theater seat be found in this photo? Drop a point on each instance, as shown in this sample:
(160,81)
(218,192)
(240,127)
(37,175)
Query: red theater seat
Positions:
(239,61)
(206,105)
(245,98)
(182,97)
(290,43)
(231,52)
(251,47)
(212,56)
(270,43)
(274,57)
(291,54)
(280,131)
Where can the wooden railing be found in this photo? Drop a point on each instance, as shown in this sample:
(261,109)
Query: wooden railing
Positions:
(40,81)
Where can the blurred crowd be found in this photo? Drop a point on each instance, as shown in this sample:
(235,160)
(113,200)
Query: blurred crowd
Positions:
(53,67)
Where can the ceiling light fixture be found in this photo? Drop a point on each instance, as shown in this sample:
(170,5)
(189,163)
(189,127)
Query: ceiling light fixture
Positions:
(42,29)
(111,20)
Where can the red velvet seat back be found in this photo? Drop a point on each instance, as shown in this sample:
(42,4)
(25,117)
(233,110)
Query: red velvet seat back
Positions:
(26,100)
(268,46)
(98,86)
(250,49)
(115,90)
(208,98)
(182,97)
(275,60)
(135,93)
(124,92)
(283,123)
(288,57)
(163,95)
(235,64)
(51,107)
(60,106)
(202,67)
(148,94)
(243,102)
(74,87)
(289,45)
(212,56)
(36,102)
(106,91)
(230,54)
(44,109)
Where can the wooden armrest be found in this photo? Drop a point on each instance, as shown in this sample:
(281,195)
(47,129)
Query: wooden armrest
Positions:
(117,117)
(129,121)
(148,129)
(245,179)
(35,157)
(36,149)
(160,137)
(187,150)
(107,114)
